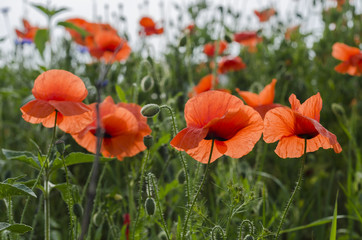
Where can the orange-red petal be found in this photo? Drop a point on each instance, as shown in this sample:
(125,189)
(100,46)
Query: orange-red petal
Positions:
(343,52)
(37,108)
(59,85)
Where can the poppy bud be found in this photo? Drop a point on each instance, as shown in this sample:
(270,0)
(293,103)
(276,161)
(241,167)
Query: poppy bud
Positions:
(150,206)
(181,177)
(249,237)
(147,83)
(97,219)
(338,110)
(77,210)
(148,141)
(59,144)
(117,197)
(162,236)
(150,110)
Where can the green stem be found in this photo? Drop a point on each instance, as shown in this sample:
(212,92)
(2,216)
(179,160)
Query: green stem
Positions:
(152,178)
(198,191)
(144,161)
(70,201)
(297,186)
(181,157)
(46,184)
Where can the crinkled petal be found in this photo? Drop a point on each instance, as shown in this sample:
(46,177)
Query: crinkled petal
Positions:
(290,147)
(278,123)
(250,98)
(188,138)
(76,123)
(294,102)
(330,137)
(312,107)
(59,85)
(199,111)
(202,151)
(37,109)
(70,108)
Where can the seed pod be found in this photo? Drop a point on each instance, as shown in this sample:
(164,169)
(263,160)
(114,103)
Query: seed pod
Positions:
(150,110)
(150,206)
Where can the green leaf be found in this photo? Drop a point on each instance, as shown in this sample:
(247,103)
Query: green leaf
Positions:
(22,156)
(9,190)
(166,189)
(333,235)
(76,158)
(121,94)
(15,228)
(79,30)
(40,39)
(49,12)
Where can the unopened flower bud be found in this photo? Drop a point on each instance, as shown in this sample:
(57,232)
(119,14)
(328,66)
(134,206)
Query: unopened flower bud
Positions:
(150,206)
(77,210)
(150,110)
(249,237)
(147,83)
(182,41)
(148,141)
(97,219)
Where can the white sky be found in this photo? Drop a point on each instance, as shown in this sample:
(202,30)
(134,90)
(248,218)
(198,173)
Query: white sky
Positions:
(94,10)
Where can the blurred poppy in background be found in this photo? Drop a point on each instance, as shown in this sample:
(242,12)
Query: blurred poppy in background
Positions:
(228,64)
(351,57)
(248,39)
(28,34)
(61,91)
(209,48)
(222,117)
(265,15)
(292,126)
(149,27)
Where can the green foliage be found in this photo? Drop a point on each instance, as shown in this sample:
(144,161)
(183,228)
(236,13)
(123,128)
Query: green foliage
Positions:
(40,40)
(15,228)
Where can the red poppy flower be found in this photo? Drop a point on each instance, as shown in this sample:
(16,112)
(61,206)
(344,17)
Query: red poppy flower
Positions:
(263,101)
(290,31)
(61,91)
(209,48)
(265,15)
(228,64)
(190,28)
(108,46)
(223,117)
(248,39)
(123,126)
(83,24)
(351,57)
(292,126)
(149,27)
(127,222)
(29,31)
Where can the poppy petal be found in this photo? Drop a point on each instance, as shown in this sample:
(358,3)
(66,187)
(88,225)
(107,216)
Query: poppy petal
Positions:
(312,107)
(250,98)
(59,85)
(202,151)
(76,123)
(37,108)
(189,138)
(343,52)
(198,114)
(70,108)
(294,102)
(268,93)
(290,147)
(278,122)
(332,139)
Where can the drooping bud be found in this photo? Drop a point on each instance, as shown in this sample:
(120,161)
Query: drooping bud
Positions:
(150,206)
(148,141)
(147,83)
(97,219)
(150,110)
